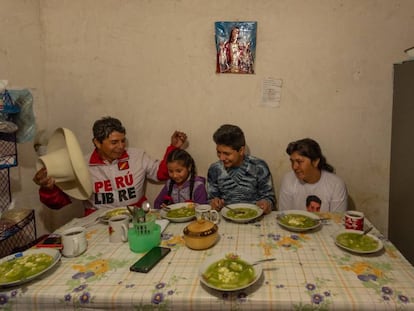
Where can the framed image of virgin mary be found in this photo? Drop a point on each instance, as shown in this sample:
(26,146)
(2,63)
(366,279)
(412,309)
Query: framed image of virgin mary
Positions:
(235,47)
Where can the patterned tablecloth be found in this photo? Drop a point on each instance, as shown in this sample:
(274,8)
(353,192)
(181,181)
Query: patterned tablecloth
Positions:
(310,273)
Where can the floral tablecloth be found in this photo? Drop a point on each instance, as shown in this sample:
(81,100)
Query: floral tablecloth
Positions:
(310,273)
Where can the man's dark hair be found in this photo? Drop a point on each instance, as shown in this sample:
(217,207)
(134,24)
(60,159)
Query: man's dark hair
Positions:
(313,198)
(104,127)
(230,135)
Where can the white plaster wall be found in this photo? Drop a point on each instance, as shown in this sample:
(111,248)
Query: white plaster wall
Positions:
(151,63)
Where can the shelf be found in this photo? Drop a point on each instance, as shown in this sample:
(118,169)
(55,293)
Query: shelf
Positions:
(22,233)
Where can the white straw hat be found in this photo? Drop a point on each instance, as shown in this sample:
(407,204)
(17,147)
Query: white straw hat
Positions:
(64,162)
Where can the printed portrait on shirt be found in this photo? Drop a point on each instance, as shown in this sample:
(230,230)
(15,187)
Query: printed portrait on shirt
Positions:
(313,203)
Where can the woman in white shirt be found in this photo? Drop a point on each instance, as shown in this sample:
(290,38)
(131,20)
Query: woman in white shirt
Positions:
(312,184)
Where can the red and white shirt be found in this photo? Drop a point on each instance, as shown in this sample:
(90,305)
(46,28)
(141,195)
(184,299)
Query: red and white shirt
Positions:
(114,184)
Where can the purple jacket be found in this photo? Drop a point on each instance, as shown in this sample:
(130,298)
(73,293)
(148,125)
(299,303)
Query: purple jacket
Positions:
(182,194)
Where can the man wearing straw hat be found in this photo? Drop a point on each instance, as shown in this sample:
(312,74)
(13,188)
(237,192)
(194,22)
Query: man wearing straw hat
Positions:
(114,175)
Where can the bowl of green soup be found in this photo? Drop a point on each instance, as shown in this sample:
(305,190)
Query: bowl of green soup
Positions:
(357,242)
(179,212)
(298,220)
(241,212)
(229,272)
(24,266)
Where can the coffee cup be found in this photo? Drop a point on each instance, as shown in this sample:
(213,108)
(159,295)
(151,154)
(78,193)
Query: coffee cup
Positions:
(118,228)
(205,212)
(74,242)
(354,220)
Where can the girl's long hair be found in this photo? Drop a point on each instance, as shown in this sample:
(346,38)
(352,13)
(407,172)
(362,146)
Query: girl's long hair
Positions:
(187,161)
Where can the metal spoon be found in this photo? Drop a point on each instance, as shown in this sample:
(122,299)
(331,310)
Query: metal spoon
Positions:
(166,209)
(130,211)
(234,209)
(263,260)
(146,206)
(93,222)
(323,219)
(367,230)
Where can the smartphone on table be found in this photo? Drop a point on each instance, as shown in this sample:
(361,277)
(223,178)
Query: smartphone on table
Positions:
(52,240)
(150,259)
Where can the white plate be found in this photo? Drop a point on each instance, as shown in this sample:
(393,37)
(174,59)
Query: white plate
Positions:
(225,210)
(163,212)
(113,212)
(50,251)
(280,215)
(378,248)
(257,269)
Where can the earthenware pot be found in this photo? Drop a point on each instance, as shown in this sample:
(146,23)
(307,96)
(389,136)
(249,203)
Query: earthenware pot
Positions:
(200,234)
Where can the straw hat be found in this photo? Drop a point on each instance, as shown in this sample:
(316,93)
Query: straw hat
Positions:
(64,162)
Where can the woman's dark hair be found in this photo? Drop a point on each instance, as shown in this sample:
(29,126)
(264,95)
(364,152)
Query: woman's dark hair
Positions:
(186,160)
(104,127)
(309,148)
(230,135)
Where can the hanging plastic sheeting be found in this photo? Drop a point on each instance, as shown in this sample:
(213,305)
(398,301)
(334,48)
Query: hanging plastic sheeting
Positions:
(24,119)
(7,105)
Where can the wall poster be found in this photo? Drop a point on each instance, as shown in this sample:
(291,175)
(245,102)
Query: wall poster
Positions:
(236,47)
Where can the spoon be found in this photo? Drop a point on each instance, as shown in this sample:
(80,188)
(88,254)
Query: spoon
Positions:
(367,230)
(323,219)
(263,260)
(93,222)
(130,211)
(234,209)
(146,206)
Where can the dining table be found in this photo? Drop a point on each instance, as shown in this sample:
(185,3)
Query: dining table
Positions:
(310,272)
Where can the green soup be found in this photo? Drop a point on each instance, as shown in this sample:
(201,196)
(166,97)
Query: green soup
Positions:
(357,241)
(21,268)
(181,212)
(229,273)
(241,213)
(115,212)
(298,221)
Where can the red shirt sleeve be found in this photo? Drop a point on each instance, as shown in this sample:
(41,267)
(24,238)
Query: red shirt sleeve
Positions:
(162,173)
(54,198)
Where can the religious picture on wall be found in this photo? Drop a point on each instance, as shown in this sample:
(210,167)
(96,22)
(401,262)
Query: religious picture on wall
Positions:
(236,47)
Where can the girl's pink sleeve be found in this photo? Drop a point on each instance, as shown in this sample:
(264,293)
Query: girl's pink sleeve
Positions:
(162,173)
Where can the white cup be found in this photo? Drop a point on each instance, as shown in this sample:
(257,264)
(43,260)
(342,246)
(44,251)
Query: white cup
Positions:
(118,228)
(205,212)
(74,242)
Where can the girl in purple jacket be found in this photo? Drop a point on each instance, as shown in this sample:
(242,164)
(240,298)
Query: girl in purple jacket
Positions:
(184,185)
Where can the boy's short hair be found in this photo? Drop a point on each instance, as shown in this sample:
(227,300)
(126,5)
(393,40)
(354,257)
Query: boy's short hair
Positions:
(230,135)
